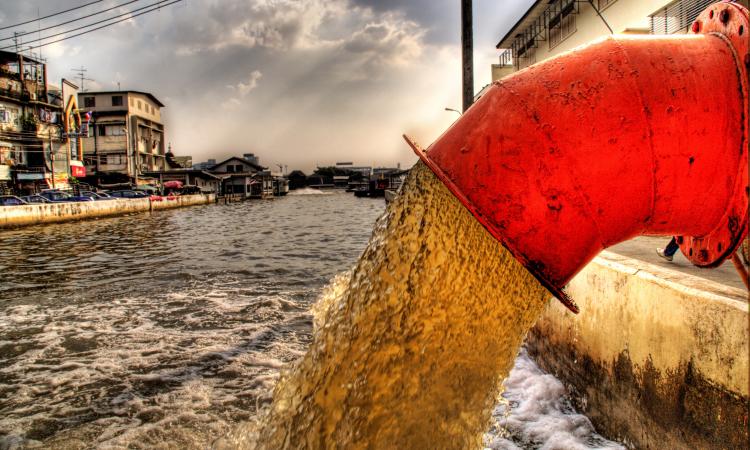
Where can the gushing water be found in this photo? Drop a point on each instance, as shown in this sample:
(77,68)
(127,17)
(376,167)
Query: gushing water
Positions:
(410,350)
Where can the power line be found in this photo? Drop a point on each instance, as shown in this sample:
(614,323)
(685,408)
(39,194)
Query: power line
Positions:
(70,21)
(92,24)
(157,8)
(50,15)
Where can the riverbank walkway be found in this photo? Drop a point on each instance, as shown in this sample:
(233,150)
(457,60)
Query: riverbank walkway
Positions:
(643,248)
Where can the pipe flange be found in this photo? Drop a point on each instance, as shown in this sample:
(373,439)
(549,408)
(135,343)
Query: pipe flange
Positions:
(730,21)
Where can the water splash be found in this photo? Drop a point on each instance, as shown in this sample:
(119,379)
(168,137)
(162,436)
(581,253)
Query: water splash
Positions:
(412,352)
(309,191)
(535,412)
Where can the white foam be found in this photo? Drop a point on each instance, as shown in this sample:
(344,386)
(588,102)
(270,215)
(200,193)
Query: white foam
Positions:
(309,191)
(535,412)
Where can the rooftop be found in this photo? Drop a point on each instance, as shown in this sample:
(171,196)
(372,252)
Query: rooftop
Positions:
(147,94)
(13,56)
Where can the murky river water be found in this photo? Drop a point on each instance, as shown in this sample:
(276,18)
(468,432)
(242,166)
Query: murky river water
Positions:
(166,330)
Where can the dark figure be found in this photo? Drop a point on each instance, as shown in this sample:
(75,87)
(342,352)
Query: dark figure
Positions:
(668,253)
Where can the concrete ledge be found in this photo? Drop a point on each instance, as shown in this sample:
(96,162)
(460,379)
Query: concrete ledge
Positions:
(656,358)
(35,214)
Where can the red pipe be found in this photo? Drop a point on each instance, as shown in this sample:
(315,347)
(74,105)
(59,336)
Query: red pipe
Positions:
(626,136)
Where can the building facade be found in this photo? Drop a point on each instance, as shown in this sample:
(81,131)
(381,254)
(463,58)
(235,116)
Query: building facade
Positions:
(208,183)
(549,28)
(39,128)
(126,135)
(244,177)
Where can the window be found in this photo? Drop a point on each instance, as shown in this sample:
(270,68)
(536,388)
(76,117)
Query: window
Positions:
(111,130)
(117,100)
(562,24)
(113,159)
(89,102)
(677,16)
(4,116)
(139,104)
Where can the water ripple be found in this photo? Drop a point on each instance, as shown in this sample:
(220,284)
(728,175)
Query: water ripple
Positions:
(166,327)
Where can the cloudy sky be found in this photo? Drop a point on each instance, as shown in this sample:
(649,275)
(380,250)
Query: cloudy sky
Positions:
(298,82)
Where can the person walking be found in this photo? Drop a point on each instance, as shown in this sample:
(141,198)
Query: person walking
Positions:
(668,252)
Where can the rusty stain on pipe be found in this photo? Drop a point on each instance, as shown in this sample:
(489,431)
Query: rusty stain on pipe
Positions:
(626,136)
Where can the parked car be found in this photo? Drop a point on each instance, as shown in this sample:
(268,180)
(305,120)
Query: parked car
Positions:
(11,200)
(190,189)
(97,196)
(35,198)
(128,194)
(56,196)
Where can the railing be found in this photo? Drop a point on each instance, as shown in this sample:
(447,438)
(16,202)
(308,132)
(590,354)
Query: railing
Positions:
(13,93)
(554,24)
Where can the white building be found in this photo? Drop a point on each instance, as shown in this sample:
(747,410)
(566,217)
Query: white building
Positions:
(549,28)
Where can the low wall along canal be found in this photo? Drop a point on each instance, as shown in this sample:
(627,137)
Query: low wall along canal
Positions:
(34,214)
(656,358)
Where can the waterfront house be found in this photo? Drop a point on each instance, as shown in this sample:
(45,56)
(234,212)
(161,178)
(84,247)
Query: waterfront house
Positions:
(126,135)
(207,182)
(39,127)
(244,177)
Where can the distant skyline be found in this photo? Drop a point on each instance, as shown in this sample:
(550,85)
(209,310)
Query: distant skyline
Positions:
(298,83)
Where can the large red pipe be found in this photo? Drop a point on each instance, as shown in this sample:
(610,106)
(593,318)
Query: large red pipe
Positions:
(623,137)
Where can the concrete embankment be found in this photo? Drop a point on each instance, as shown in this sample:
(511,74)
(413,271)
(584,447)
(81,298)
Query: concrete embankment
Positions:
(656,358)
(34,214)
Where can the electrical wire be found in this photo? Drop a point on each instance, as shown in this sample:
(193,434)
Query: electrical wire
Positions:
(69,21)
(50,15)
(155,6)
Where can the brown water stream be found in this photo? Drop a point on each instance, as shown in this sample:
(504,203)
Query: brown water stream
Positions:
(411,349)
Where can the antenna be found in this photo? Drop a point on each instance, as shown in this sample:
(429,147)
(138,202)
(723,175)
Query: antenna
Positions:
(15,38)
(81,75)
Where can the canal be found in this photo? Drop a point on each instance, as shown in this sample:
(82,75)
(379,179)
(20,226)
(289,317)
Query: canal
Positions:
(169,329)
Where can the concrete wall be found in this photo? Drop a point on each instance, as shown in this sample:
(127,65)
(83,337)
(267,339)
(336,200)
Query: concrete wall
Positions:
(18,216)
(656,358)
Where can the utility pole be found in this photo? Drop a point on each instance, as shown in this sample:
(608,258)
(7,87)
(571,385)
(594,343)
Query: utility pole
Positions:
(51,157)
(467,53)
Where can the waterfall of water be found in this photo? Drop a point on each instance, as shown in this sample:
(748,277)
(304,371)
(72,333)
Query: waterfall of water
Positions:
(409,350)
